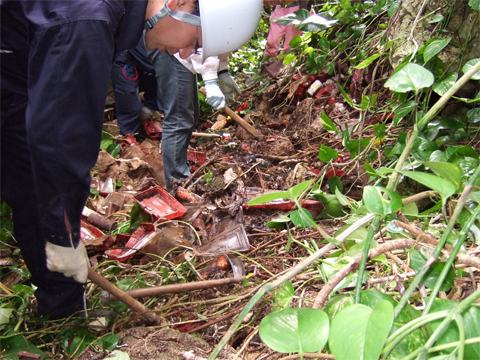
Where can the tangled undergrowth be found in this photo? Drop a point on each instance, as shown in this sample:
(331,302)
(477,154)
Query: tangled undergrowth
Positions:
(378,225)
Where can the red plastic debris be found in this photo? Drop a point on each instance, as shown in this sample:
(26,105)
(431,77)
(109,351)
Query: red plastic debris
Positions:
(331,101)
(332,172)
(160,203)
(325,91)
(242,108)
(137,241)
(197,156)
(153,128)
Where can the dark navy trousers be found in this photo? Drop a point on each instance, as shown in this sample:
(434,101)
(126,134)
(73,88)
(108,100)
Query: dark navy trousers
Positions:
(56,62)
(133,73)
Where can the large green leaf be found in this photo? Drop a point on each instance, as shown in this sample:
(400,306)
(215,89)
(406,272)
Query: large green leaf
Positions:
(410,77)
(414,340)
(359,332)
(434,48)
(376,202)
(328,124)
(470,64)
(291,193)
(473,115)
(403,110)
(446,84)
(366,63)
(432,275)
(295,330)
(283,296)
(434,182)
(12,345)
(448,171)
(326,153)
(475,4)
(471,319)
(300,218)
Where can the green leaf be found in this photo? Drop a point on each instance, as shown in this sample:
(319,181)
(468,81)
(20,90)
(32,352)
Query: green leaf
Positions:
(432,275)
(278,222)
(368,102)
(374,200)
(437,18)
(296,190)
(316,23)
(363,329)
(434,48)
(335,183)
(446,84)
(474,4)
(283,296)
(326,153)
(300,218)
(12,345)
(370,170)
(337,303)
(114,149)
(450,172)
(346,97)
(470,64)
(471,319)
(379,130)
(403,110)
(119,355)
(5,314)
(365,63)
(414,340)
(289,59)
(295,330)
(296,40)
(107,140)
(442,186)
(328,124)
(410,77)
(352,146)
(108,342)
(473,116)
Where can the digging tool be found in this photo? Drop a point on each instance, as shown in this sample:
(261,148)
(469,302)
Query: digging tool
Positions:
(174,288)
(237,119)
(123,297)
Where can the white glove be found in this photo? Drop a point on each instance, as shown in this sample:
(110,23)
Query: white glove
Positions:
(215,96)
(69,261)
(228,85)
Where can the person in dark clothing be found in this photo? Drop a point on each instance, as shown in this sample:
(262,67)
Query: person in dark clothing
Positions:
(133,73)
(56,63)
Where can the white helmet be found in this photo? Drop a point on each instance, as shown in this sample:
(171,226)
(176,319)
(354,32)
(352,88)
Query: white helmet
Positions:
(228,24)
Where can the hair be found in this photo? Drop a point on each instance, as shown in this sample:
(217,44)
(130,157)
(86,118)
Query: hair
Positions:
(195,8)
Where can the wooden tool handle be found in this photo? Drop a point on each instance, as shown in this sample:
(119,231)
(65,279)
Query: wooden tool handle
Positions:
(123,297)
(236,118)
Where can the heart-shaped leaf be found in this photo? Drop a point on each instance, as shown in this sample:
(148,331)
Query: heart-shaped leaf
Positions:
(410,77)
(283,296)
(326,153)
(295,330)
(471,319)
(359,332)
(446,84)
(470,64)
(300,218)
(376,202)
(448,171)
(434,48)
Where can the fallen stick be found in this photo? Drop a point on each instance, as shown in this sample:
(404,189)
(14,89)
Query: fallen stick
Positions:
(175,288)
